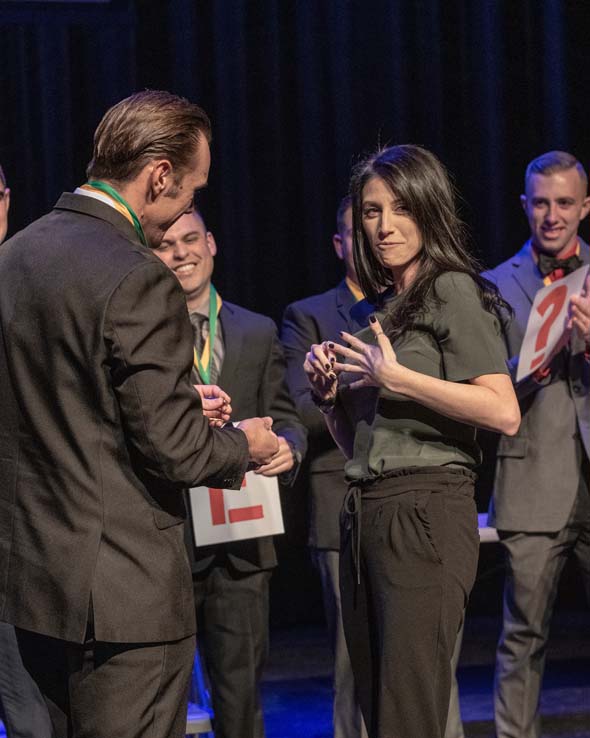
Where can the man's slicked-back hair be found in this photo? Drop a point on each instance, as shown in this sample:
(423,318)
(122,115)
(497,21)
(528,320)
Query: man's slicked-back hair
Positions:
(552,162)
(2,176)
(148,125)
(345,203)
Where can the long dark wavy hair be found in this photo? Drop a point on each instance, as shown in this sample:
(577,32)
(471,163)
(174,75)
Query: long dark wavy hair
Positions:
(421,184)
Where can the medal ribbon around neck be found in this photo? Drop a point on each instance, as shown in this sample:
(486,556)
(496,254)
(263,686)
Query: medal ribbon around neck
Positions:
(203,363)
(119,203)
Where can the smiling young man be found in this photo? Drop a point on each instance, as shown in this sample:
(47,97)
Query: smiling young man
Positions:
(231,580)
(541,502)
(101,430)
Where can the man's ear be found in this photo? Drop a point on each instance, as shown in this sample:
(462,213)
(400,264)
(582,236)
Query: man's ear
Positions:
(160,176)
(211,245)
(585,208)
(523,202)
(7,198)
(337,242)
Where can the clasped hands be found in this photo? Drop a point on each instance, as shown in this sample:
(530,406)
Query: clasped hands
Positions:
(271,453)
(375,365)
(579,313)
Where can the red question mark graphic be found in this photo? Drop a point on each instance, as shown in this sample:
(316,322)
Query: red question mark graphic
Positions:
(553,302)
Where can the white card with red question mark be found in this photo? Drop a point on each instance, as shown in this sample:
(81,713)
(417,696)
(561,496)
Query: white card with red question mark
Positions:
(547,321)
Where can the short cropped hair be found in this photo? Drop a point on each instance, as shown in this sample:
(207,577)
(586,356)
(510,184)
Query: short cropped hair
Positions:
(146,126)
(552,162)
(2,176)
(345,203)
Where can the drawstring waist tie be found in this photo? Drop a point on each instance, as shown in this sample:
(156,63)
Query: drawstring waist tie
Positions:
(433,479)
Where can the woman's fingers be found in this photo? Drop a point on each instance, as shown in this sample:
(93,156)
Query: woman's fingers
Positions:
(319,360)
(349,353)
(354,368)
(353,341)
(382,341)
(359,383)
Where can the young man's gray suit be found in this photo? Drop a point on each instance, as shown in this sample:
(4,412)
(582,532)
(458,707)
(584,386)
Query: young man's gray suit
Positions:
(541,502)
(100,431)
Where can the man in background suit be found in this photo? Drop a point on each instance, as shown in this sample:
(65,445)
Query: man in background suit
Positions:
(541,502)
(22,709)
(101,430)
(231,580)
(4,205)
(313,320)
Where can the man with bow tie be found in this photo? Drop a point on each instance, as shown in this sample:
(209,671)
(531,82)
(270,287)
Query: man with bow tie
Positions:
(541,501)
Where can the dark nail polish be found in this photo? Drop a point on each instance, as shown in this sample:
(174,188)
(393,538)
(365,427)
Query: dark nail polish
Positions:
(330,345)
(327,367)
(332,359)
(372,318)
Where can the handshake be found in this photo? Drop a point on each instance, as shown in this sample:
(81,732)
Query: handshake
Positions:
(264,446)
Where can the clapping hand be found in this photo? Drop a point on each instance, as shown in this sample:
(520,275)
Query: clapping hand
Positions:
(580,312)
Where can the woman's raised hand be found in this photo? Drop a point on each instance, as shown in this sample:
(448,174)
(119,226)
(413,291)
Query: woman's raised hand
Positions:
(319,366)
(375,365)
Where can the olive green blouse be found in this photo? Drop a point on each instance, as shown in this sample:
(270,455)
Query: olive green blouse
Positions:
(454,339)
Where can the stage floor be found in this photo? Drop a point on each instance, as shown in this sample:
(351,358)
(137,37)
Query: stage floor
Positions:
(297,686)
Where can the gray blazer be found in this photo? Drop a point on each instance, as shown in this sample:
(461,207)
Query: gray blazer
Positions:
(538,470)
(100,431)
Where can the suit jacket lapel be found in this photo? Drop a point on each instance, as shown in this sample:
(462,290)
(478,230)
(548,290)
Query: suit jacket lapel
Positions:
(355,314)
(97,209)
(232,342)
(344,301)
(526,273)
(584,252)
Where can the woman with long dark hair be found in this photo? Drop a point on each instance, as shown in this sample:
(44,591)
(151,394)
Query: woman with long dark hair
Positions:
(403,404)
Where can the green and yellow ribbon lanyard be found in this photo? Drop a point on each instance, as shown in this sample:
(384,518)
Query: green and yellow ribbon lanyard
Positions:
(203,363)
(119,204)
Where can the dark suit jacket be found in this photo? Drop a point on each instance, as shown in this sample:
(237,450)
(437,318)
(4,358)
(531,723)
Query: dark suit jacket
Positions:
(100,431)
(253,374)
(538,470)
(312,320)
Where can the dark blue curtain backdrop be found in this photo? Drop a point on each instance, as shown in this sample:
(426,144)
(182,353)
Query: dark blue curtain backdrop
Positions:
(297,91)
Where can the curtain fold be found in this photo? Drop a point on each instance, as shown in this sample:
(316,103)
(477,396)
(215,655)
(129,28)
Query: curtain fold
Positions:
(297,91)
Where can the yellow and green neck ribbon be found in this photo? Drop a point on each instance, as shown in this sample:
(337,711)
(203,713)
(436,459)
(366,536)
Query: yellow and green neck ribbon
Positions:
(121,205)
(204,362)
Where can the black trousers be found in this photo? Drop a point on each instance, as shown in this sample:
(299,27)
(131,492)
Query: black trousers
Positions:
(408,563)
(111,690)
(232,630)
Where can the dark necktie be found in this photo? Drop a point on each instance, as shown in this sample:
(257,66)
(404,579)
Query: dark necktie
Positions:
(198,323)
(548,264)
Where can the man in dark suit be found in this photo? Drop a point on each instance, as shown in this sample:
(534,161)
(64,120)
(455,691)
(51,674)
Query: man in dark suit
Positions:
(541,502)
(22,708)
(313,320)
(101,430)
(231,580)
